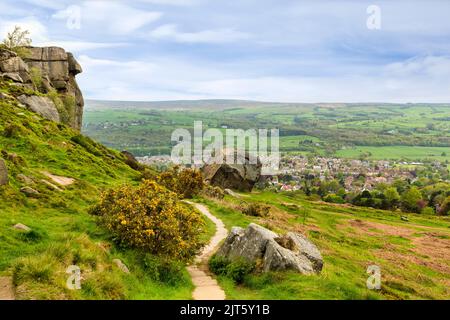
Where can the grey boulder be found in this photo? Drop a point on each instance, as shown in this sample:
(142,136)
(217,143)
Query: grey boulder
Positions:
(41,105)
(290,252)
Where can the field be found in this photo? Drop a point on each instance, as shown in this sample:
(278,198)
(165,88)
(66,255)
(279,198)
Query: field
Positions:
(411,132)
(413,256)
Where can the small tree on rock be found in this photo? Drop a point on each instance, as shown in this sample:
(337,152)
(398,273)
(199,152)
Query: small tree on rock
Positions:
(17,40)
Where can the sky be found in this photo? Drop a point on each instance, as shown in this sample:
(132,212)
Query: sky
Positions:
(266,50)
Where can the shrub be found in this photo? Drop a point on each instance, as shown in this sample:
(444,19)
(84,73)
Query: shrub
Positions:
(237,269)
(184,182)
(254,209)
(427,211)
(150,217)
(333,198)
(36,78)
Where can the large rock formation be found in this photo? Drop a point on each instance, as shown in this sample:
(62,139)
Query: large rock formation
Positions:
(58,69)
(241,177)
(290,252)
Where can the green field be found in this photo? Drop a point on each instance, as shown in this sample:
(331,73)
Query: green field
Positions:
(413,132)
(398,152)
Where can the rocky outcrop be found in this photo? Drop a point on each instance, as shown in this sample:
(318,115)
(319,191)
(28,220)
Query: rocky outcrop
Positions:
(257,244)
(3,173)
(41,105)
(241,177)
(58,69)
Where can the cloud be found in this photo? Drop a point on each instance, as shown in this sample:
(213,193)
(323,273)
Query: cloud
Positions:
(173,2)
(419,79)
(38,31)
(80,46)
(226,35)
(115,18)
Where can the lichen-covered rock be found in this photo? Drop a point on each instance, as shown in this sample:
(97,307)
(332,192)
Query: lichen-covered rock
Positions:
(3,173)
(258,244)
(41,105)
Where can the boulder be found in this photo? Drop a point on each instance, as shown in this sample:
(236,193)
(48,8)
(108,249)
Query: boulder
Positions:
(25,179)
(236,176)
(131,160)
(12,76)
(29,192)
(14,64)
(41,105)
(121,265)
(290,252)
(21,226)
(3,173)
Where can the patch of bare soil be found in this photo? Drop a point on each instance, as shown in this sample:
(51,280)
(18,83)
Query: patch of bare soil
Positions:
(376,229)
(6,288)
(62,181)
(436,249)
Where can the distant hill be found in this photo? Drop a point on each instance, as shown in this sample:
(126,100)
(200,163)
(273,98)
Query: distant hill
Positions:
(219,104)
(225,104)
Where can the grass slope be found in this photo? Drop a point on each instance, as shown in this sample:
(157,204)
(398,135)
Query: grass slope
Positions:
(62,232)
(413,256)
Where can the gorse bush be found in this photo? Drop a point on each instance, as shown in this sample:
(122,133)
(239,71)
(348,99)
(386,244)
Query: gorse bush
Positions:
(151,218)
(184,182)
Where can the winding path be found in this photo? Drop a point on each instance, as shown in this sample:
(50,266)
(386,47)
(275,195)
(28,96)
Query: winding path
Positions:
(206,287)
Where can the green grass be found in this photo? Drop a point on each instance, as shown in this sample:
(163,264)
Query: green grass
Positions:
(347,253)
(410,153)
(63,233)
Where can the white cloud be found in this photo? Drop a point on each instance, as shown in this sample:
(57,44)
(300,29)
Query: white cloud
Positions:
(113,17)
(417,79)
(40,36)
(38,32)
(80,46)
(173,2)
(216,36)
